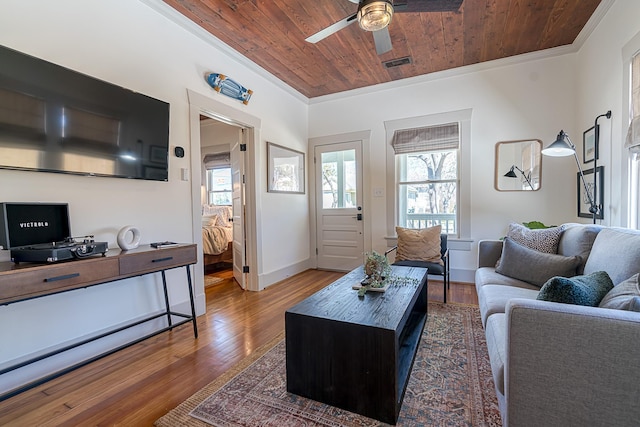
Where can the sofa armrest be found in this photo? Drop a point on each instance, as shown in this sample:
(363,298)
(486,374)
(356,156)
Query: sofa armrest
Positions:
(571,365)
(489,252)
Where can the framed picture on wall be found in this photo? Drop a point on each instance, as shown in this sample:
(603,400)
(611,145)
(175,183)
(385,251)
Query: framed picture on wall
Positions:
(583,199)
(285,169)
(589,149)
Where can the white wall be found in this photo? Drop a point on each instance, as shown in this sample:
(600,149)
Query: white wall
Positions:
(601,87)
(529,97)
(531,100)
(130,44)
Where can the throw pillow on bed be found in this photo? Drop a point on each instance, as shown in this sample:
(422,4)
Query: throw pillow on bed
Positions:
(532,266)
(586,290)
(209,220)
(623,296)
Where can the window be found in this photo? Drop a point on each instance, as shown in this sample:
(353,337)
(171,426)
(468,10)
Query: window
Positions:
(219,190)
(218,179)
(339,179)
(427,176)
(632,142)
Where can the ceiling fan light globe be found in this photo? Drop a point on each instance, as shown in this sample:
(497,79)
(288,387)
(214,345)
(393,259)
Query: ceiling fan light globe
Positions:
(375,15)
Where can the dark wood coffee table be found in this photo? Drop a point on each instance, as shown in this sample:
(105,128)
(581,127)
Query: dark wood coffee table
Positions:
(356,353)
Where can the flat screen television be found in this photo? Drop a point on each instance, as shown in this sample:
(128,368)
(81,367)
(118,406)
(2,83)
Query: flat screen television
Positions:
(53,119)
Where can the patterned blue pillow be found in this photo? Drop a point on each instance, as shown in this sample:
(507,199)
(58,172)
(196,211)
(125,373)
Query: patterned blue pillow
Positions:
(579,290)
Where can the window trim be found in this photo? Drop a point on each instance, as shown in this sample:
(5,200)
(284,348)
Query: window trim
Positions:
(626,171)
(463,117)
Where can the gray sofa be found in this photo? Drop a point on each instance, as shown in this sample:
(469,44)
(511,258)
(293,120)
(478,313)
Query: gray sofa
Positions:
(557,364)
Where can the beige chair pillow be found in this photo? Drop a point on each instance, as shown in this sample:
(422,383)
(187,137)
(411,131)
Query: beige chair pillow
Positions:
(419,244)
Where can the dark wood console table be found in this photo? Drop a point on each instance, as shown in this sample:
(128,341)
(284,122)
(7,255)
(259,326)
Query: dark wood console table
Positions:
(20,282)
(357,353)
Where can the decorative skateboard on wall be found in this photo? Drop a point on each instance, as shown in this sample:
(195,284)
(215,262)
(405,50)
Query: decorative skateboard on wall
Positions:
(224,85)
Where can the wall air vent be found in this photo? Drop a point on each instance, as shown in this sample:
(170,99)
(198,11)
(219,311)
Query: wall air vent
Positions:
(397,62)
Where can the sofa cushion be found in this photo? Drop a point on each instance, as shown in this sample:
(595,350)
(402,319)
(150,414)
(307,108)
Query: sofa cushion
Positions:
(577,240)
(616,251)
(489,276)
(623,296)
(495,332)
(493,298)
(580,290)
(532,266)
(419,244)
(542,240)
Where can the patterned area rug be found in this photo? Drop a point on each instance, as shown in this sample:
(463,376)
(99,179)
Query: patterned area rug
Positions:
(212,280)
(450,385)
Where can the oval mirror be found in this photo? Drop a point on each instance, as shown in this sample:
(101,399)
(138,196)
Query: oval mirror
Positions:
(518,165)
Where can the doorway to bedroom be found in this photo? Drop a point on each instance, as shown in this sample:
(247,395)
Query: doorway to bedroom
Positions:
(222,168)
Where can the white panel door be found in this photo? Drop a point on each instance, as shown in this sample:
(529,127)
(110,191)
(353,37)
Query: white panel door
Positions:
(340,239)
(237,203)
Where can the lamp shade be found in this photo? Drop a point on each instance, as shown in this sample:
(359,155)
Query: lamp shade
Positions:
(511,173)
(561,147)
(374,15)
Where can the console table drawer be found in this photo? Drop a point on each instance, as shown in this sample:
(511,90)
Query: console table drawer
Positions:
(158,259)
(23,284)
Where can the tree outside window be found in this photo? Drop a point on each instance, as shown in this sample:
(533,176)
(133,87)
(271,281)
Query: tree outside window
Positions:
(427,190)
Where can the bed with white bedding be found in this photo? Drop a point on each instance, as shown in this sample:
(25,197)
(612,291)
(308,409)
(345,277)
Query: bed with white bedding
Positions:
(217,234)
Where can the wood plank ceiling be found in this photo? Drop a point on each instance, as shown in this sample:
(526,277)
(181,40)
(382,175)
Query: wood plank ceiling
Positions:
(272,34)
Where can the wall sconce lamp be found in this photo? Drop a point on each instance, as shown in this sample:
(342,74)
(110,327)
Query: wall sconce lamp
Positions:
(563,146)
(512,174)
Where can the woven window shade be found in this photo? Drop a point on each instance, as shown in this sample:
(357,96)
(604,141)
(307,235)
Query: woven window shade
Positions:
(430,138)
(632,143)
(212,161)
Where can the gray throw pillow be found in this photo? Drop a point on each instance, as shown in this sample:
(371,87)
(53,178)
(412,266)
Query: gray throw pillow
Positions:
(623,296)
(634,305)
(579,290)
(529,265)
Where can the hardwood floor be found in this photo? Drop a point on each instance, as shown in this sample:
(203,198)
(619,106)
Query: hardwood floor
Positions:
(138,385)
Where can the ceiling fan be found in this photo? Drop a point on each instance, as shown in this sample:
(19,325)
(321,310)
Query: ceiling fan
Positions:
(375,16)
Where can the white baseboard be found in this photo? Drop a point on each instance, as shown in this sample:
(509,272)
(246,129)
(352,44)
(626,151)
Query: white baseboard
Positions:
(268,279)
(463,276)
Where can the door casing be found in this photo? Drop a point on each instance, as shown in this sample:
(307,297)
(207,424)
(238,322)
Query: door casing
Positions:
(363,136)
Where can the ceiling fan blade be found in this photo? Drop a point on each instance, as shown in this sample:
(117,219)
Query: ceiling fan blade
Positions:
(382,39)
(401,6)
(331,29)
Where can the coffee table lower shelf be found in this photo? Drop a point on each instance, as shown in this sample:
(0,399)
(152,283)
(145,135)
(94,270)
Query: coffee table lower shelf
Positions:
(356,353)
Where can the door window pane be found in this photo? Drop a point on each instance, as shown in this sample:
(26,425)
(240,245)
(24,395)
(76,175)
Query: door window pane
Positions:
(339,179)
